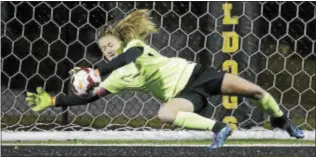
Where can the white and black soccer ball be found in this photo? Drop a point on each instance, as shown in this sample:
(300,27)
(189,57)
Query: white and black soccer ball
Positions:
(84,81)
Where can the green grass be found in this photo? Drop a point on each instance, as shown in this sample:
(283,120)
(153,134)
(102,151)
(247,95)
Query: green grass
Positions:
(166,142)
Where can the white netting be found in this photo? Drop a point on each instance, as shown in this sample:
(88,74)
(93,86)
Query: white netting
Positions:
(41,41)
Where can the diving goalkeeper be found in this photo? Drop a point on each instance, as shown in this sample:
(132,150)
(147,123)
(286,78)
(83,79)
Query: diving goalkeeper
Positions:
(184,86)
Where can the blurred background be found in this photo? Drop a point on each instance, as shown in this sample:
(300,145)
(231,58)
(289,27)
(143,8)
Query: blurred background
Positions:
(42,41)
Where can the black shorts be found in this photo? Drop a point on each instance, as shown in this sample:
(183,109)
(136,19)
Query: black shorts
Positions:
(203,83)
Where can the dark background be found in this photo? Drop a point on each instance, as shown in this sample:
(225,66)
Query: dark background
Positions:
(42,41)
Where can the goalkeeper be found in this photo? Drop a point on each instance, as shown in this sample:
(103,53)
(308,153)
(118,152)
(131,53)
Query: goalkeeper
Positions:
(184,86)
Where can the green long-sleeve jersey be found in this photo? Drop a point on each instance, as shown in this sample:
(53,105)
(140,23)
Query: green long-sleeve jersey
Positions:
(151,73)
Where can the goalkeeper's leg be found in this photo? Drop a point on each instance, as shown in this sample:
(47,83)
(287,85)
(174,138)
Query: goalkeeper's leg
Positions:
(234,85)
(179,112)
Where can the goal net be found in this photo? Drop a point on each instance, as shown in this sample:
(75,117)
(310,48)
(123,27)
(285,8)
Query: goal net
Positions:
(269,43)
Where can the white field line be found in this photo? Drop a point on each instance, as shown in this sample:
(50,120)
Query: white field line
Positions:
(145,135)
(159,145)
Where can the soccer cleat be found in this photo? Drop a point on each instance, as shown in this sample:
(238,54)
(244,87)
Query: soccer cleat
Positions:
(220,137)
(287,125)
(293,130)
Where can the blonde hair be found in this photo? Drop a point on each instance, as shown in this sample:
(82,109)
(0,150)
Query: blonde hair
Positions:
(136,25)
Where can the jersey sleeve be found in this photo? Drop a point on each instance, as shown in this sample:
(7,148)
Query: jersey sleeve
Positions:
(73,100)
(123,59)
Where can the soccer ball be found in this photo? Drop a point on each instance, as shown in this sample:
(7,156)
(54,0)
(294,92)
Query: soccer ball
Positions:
(84,81)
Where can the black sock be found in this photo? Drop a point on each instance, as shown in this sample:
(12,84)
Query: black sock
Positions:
(218,126)
(279,121)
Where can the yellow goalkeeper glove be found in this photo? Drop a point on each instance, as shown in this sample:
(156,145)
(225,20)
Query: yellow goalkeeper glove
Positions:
(40,101)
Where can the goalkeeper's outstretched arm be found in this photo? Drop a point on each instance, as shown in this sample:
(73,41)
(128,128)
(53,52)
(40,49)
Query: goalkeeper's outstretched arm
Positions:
(42,100)
(72,100)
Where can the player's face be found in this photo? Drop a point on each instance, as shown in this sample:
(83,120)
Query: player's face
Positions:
(109,46)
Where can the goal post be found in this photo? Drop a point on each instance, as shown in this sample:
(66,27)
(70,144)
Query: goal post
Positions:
(269,43)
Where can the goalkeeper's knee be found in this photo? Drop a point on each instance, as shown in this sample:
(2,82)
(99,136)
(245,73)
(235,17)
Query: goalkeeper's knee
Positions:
(166,115)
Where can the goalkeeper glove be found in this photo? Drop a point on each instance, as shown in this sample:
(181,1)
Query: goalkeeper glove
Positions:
(40,101)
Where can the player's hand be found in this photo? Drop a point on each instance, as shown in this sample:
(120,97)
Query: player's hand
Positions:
(39,101)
